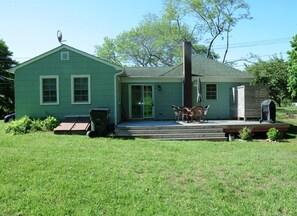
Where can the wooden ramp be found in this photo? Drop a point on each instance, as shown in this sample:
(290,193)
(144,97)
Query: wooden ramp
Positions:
(73,125)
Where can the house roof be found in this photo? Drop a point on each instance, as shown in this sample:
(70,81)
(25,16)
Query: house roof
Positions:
(201,66)
(64,46)
(146,71)
(205,67)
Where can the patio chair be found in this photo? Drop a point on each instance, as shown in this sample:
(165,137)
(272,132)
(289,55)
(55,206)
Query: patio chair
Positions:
(180,112)
(205,111)
(176,111)
(196,113)
(185,113)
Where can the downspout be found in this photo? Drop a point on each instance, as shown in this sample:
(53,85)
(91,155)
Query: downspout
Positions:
(115,95)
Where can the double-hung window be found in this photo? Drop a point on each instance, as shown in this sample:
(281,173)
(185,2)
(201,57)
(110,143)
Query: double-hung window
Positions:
(49,90)
(81,89)
(211,91)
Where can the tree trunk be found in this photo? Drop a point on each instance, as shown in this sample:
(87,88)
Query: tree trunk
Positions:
(227,46)
(210,44)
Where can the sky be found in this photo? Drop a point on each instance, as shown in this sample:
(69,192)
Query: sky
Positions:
(29,27)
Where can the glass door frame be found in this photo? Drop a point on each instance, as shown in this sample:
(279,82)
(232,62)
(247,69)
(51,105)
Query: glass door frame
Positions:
(141,102)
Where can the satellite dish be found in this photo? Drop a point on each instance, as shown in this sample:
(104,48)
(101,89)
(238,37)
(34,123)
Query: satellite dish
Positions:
(59,36)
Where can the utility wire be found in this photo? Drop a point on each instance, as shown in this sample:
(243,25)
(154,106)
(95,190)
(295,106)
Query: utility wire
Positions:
(231,46)
(242,66)
(255,43)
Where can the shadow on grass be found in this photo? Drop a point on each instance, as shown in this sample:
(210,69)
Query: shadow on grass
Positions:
(291,132)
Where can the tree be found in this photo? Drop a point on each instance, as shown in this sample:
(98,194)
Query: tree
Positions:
(292,68)
(274,74)
(108,51)
(175,12)
(203,50)
(156,41)
(219,17)
(6,79)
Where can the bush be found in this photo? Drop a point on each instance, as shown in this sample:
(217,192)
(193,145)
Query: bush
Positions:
(50,123)
(246,134)
(273,134)
(37,125)
(21,126)
(26,125)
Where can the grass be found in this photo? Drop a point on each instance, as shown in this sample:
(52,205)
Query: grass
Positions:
(288,115)
(47,174)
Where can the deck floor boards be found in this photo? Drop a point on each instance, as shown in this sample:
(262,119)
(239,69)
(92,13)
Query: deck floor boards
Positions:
(73,125)
(193,130)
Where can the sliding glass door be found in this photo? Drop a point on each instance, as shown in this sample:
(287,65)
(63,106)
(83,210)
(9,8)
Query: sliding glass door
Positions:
(141,102)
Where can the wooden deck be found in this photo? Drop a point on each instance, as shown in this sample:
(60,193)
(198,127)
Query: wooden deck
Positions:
(73,125)
(210,130)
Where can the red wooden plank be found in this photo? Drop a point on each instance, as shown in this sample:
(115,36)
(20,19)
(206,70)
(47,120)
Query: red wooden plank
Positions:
(80,126)
(73,125)
(64,126)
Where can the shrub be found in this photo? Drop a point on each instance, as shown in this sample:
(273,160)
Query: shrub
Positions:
(273,134)
(37,125)
(26,125)
(50,123)
(21,126)
(246,134)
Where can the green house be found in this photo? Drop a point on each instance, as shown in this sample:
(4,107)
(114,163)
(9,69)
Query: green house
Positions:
(68,82)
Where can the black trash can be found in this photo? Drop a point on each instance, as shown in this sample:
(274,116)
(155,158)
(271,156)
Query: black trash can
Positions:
(99,122)
(268,111)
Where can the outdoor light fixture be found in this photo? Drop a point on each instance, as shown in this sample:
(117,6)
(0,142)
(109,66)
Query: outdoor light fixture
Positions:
(159,88)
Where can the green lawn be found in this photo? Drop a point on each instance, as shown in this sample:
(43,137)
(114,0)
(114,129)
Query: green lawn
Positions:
(289,115)
(47,174)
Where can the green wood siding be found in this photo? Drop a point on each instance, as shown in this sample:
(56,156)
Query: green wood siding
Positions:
(124,106)
(102,88)
(170,94)
(219,108)
(27,85)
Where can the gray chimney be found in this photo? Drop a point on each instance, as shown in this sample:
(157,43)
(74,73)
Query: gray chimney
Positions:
(187,70)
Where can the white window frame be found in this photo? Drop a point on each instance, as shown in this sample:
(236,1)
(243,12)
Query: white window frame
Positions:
(64,56)
(89,88)
(41,89)
(217,90)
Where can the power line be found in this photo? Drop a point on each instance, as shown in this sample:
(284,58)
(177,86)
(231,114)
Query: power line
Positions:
(243,66)
(220,47)
(256,43)
(257,57)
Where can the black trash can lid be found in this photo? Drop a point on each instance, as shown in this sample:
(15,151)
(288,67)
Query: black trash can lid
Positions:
(100,109)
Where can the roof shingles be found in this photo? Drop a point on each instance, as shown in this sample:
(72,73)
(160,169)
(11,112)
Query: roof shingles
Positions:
(201,66)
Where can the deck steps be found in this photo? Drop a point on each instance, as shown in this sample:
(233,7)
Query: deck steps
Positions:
(172,132)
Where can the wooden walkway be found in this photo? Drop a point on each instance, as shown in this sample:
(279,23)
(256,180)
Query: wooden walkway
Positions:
(73,125)
(211,130)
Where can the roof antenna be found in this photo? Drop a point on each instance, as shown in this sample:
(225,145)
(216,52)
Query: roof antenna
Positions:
(59,36)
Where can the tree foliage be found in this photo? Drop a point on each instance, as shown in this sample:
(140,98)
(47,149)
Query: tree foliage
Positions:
(6,79)
(154,42)
(218,17)
(212,18)
(292,68)
(274,74)
(175,12)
